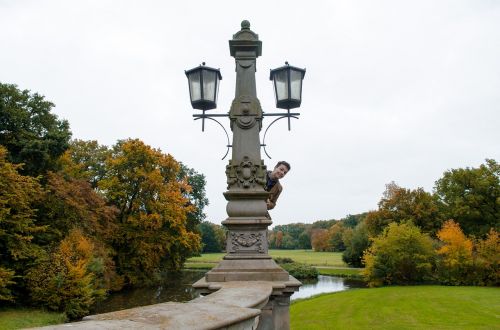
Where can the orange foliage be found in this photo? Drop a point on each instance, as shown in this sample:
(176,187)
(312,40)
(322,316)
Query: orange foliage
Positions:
(455,262)
(320,240)
(457,247)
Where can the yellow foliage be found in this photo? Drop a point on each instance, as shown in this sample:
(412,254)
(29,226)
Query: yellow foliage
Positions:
(457,248)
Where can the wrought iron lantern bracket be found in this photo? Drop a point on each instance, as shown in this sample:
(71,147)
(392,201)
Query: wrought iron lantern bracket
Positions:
(211,117)
(280,116)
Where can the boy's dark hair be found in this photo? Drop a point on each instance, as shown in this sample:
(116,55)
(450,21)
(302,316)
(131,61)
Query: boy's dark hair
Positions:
(282,162)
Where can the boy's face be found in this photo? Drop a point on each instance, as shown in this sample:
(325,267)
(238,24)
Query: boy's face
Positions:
(279,172)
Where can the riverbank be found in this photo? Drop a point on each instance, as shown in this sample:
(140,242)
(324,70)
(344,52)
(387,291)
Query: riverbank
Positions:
(400,307)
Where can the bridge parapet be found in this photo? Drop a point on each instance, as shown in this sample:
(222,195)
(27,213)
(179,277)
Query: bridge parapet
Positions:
(238,305)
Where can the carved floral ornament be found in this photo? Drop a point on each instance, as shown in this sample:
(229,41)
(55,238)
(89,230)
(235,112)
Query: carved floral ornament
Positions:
(247,240)
(246,174)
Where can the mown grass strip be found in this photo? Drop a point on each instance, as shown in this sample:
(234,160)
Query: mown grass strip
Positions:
(412,307)
(28,318)
(303,256)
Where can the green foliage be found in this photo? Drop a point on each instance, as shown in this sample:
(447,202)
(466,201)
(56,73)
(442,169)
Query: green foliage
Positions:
(6,277)
(196,195)
(471,197)
(33,135)
(400,255)
(350,273)
(85,160)
(300,270)
(213,237)
(356,242)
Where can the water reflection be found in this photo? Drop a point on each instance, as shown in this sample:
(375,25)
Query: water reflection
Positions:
(177,287)
(325,284)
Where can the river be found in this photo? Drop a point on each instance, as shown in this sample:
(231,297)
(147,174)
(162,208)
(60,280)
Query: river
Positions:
(177,287)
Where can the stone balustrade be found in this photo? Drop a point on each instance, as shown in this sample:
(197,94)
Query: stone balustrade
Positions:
(235,305)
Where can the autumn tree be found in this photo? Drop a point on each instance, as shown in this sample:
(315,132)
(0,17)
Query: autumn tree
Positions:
(72,203)
(18,225)
(400,255)
(64,280)
(455,254)
(399,204)
(335,237)
(30,132)
(471,197)
(153,235)
(320,241)
(487,260)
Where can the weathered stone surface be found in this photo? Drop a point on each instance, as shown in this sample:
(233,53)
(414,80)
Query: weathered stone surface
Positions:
(232,305)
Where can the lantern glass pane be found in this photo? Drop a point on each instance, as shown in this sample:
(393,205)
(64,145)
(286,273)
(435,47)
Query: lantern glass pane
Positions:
(195,86)
(209,85)
(295,84)
(280,85)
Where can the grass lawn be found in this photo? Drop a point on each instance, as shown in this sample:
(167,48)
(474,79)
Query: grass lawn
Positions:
(304,256)
(28,318)
(411,307)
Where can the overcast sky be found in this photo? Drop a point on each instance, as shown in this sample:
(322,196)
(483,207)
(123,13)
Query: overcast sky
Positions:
(394,90)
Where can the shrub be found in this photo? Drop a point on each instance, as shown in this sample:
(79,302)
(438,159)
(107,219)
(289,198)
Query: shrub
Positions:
(283,260)
(400,255)
(300,271)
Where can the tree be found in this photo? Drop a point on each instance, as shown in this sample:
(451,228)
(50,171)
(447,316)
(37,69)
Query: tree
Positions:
(153,235)
(304,241)
(335,236)
(196,195)
(85,160)
(487,261)
(64,280)
(212,237)
(399,204)
(455,254)
(471,197)
(71,203)
(319,240)
(32,135)
(18,194)
(356,242)
(400,255)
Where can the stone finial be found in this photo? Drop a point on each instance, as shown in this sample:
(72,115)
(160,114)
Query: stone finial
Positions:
(245,25)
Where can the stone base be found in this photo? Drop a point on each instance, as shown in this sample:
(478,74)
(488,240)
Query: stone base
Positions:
(229,270)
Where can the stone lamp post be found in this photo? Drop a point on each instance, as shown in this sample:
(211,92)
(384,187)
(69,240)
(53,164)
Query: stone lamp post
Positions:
(247,257)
